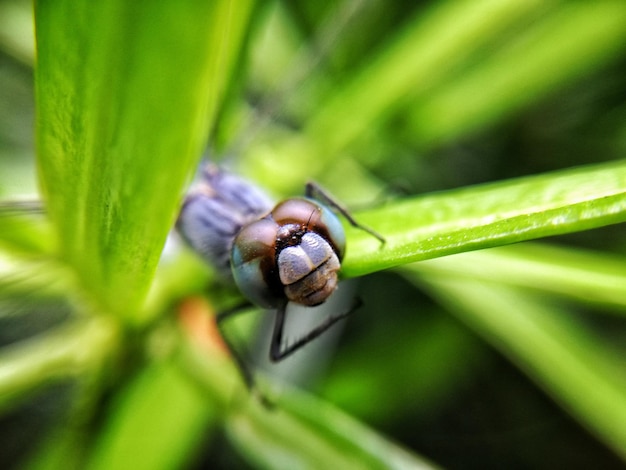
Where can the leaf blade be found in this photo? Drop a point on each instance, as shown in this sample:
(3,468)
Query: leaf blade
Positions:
(119,133)
(489,215)
(561,355)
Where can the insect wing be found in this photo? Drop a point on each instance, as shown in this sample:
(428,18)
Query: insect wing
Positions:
(214,212)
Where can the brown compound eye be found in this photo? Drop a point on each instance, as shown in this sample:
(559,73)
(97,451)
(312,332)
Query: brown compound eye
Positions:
(253,263)
(315,217)
(296,211)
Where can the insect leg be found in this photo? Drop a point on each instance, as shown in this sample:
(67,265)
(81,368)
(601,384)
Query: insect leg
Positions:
(242,366)
(276,351)
(314,191)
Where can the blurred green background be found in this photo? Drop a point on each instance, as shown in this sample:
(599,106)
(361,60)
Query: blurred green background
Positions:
(512,356)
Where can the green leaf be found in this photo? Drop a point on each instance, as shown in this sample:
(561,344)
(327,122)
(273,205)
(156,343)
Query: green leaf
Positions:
(560,354)
(407,62)
(304,432)
(586,276)
(429,48)
(299,431)
(73,349)
(489,215)
(155,423)
(453,68)
(126,94)
(557,49)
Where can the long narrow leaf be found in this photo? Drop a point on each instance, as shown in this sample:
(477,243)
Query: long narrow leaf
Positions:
(558,49)
(309,433)
(489,215)
(174,430)
(300,431)
(70,350)
(119,132)
(429,47)
(583,275)
(587,379)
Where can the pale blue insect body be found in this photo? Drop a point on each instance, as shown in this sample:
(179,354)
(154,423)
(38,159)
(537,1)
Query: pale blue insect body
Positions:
(289,253)
(215,210)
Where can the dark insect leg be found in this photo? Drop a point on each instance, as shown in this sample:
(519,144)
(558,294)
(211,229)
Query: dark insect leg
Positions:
(314,191)
(276,351)
(17,208)
(244,370)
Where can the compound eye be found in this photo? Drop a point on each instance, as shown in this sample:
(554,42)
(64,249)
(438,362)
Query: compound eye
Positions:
(330,227)
(253,263)
(314,217)
(296,211)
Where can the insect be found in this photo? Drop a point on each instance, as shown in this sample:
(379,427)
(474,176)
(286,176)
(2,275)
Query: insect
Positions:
(290,252)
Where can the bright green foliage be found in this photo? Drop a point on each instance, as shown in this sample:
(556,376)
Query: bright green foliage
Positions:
(573,366)
(452,127)
(490,215)
(126,95)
